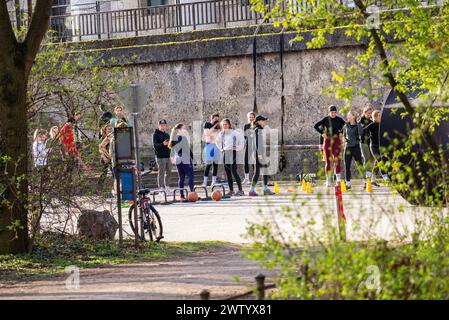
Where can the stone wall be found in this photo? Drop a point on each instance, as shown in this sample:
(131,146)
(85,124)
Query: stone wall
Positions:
(186,81)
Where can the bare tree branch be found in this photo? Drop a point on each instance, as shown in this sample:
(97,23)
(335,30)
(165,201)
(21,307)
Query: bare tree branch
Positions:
(36,32)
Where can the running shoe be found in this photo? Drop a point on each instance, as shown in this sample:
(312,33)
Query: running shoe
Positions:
(183,199)
(246,182)
(230,194)
(240,193)
(253,194)
(268,192)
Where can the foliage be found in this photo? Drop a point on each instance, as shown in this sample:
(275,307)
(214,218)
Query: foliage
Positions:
(314,263)
(60,86)
(405,49)
(53,252)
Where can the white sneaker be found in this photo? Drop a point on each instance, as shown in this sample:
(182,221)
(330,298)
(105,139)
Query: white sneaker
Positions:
(246,182)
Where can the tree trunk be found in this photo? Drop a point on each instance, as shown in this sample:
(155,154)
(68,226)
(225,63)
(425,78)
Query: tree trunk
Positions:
(14,144)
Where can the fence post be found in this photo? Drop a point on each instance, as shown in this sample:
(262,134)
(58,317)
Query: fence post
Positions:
(260,284)
(98,25)
(163,19)
(205,295)
(224,12)
(193,16)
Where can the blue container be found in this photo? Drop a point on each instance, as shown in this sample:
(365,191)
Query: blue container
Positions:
(126,179)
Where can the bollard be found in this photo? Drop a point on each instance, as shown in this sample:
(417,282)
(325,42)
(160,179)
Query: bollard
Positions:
(260,285)
(205,295)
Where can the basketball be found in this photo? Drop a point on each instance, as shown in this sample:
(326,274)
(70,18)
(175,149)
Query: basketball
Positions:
(216,195)
(192,196)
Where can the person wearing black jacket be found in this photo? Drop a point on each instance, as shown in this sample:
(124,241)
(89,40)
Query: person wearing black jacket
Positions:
(248,130)
(261,158)
(180,145)
(162,151)
(331,128)
(352,133)
(365,120)
(373,130)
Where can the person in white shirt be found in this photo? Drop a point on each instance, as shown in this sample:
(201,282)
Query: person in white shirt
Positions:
(40,148)
(230,142)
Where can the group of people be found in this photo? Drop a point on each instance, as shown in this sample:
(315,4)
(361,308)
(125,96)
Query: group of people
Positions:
(62,144)
(223,144)
(59,145)
(361,143)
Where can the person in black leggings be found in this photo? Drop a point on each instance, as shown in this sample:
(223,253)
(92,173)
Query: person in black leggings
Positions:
(352,133)
(373,130)
(260,158)
(230,141)
(248,130)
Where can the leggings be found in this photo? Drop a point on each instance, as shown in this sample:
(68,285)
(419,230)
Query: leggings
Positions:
(183,170)
(332,150)
(356,153)
(214,171)
(230,166)
(256,175)
(247,161)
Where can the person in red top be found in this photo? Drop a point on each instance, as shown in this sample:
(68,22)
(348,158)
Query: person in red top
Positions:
(68,139)
(69,146)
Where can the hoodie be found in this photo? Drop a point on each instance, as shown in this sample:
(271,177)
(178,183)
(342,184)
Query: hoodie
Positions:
(160,150)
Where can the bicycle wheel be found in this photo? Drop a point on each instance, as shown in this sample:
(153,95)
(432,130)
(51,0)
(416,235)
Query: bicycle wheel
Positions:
(155,224)
(152,223)
(131,223)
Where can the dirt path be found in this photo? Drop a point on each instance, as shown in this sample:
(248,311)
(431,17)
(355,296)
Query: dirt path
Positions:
(182,278)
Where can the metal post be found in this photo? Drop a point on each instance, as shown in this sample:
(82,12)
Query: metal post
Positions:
(119,205)
(97,8)
(135,114)
(193,16)
(224,13)
(163,19)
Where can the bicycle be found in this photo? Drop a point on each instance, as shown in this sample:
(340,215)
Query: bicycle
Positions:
(152,223)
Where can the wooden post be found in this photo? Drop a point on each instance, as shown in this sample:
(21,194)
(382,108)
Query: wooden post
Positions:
(205,295)
(260,284)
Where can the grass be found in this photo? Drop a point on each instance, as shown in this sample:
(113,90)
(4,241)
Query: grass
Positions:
(51,256)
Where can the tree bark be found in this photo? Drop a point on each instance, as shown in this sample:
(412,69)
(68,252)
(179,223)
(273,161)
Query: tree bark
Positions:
(16,61)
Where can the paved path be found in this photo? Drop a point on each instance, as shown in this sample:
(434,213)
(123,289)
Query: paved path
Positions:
(183,278)
(227,220)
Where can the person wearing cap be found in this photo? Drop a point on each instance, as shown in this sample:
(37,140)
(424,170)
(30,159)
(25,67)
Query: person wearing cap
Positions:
(160,144)
(261,158)
(331,128)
